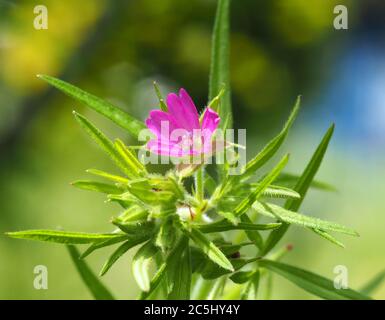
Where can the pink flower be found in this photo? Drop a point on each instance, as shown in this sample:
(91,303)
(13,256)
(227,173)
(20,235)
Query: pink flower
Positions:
(179,132)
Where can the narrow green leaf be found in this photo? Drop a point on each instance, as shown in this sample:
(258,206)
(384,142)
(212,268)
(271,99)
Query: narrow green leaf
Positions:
(241,276)
(230,249)
(291,217)
(280,192)
(311,282)
(273,191)
(217,289)
(150,195)
(307,177)
(373,284)
(169,271)
(97,186)
(103,142)
(328,237)
(210,270)
(97,289)
(214,103)
(162,104)
(135,213)
(102,244)
(135,229)
(210,184)
(269,286)
(130,159)
(253,235)
(210,249)
(224,225)
(173,264)
(121,250)
(121,118)
(166,236)
(250,291)
(220,65)
(63,236)
(201,288)
(229,216)
(289,179)
(108,176)
(181,277)
(141,263)
(272,147)
(155,282)
(266,181)
(301,187)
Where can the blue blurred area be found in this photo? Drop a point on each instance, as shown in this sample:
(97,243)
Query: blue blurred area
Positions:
(354,97)
(115,49)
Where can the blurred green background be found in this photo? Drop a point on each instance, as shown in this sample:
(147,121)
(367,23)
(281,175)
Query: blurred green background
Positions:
(115,49)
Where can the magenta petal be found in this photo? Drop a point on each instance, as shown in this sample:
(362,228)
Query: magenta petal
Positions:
(210,123)
(189,105)
(210,120)
(166,149)
(183,110)
(158,121)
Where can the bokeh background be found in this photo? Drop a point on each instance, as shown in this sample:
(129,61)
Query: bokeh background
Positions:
(115,49)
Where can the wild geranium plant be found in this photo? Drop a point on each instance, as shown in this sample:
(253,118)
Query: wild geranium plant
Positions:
(195,234)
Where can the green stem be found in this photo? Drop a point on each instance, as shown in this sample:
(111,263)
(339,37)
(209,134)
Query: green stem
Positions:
(199,184)
(202,288)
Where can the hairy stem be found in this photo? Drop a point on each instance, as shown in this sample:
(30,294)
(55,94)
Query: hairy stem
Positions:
(199,184)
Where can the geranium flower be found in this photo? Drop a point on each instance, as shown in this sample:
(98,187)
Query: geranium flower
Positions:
(180,132)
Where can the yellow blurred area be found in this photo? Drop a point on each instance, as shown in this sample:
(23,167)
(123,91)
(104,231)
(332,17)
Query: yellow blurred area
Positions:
(279,49)
(308,20)
(30,51)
